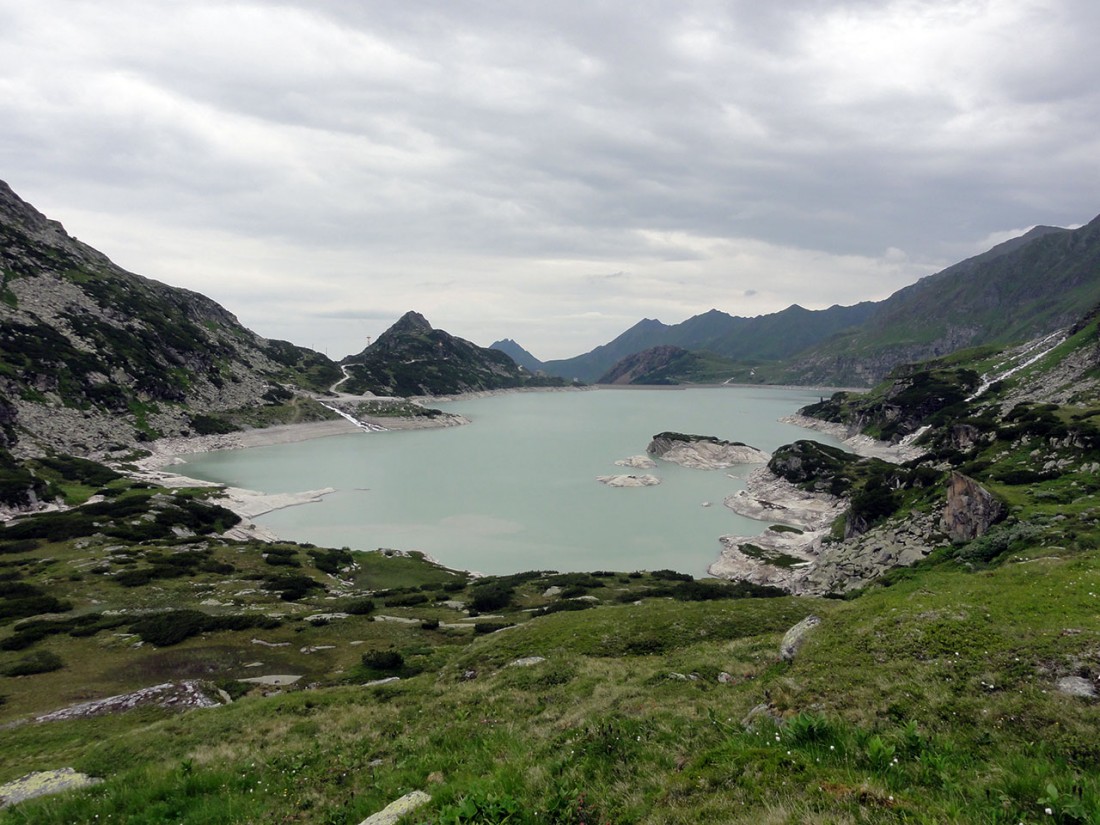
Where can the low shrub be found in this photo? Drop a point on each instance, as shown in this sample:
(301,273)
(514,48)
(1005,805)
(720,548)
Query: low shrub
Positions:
(41,661)
(490,627)
(383,660)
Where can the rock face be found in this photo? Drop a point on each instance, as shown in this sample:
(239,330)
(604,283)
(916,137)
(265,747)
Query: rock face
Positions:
(804,560)
(652,366)
(848,565)
(703,452)
(97,357)
(770,498)
(970,510)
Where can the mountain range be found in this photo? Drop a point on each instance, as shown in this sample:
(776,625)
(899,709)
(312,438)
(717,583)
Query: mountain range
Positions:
(1027,286)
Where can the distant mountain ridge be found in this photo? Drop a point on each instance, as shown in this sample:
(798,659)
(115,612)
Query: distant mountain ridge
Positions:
(763,338)
(1024,287)
(518,354)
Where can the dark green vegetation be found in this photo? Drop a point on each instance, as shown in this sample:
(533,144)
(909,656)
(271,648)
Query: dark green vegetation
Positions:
(412,358)
(670,365)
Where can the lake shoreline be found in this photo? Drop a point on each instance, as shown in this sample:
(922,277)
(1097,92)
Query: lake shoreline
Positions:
(167,466)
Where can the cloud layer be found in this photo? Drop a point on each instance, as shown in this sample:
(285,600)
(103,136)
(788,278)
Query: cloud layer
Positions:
(552,173)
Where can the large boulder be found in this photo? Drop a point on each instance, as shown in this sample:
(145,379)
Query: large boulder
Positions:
(970,510)
(794,638)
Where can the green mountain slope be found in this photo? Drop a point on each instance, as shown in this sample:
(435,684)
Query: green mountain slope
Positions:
(93,357)
(1033,285)
(671,365)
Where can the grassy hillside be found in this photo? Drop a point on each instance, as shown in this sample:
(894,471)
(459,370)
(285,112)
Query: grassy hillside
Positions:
(931,697)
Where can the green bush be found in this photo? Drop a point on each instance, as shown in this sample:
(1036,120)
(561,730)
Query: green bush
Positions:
(383,660)
(494,595)
(359,607)
(41,661)
(174,626)
(490,627)
(289,587)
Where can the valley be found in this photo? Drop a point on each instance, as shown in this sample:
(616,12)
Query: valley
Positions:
(927,650)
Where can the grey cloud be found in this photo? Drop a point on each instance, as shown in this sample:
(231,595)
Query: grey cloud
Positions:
(472,148)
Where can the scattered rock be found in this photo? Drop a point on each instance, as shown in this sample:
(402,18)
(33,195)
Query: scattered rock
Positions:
(760,712)
(397,809)
(646,480)
(527,661)
(552,591)
(971,509)
(725,678)
(277,679)
(185,695)
(43,783)
(638,462)
(1077,686)
(469,675)
(794,638)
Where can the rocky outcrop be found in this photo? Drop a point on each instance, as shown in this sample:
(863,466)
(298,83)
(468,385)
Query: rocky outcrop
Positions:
(703,452)
(44,783)
(794,638)
(970,510)
(770,498)
(774,558)
(638,462)
(849,565)
(646,480)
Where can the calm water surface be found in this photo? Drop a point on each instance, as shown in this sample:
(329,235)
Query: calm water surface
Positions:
(516,489)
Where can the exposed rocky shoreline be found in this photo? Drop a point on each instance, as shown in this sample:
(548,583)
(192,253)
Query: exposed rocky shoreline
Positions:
(798,555)
(858,443)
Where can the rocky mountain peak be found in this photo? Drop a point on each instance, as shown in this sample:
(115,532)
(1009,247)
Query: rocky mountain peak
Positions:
(411,321)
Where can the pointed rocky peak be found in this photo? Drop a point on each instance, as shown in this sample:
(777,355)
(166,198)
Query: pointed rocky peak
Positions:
(411,322)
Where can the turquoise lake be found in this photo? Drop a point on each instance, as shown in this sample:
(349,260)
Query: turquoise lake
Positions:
(516,489)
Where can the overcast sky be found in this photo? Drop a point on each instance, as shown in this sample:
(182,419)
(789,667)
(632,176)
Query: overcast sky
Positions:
(549,172)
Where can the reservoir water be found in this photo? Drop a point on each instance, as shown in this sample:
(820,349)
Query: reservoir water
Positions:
(516,489)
